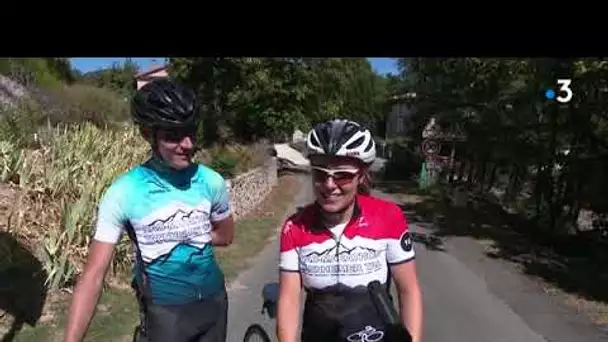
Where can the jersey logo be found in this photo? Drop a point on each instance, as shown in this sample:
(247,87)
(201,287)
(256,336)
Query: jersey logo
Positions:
(174,224)
(406,242)
(368,334)
(342,260)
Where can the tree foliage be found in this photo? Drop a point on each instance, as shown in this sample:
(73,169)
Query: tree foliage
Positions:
(557,151)
(43,72)
(120,77)
(252,98)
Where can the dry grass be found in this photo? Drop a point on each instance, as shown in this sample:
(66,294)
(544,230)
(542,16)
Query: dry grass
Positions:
(61,183)
(61,170)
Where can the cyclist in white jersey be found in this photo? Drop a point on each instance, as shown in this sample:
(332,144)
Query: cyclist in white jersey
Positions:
(175,212)
(336,246)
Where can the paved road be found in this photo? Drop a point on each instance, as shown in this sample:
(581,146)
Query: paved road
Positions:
(467,297)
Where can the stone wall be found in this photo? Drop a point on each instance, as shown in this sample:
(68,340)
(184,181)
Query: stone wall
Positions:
(249,189)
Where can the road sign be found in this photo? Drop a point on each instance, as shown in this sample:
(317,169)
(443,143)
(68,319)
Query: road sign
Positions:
(430,147)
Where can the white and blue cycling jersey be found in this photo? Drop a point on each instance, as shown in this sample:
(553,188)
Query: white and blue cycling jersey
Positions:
(170,213)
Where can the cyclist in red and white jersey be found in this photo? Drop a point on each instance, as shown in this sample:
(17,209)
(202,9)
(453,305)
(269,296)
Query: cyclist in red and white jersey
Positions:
(336,246)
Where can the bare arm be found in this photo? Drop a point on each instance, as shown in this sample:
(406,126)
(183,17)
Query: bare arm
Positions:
(88,289)
(410,298)
(288,309)
(223,232)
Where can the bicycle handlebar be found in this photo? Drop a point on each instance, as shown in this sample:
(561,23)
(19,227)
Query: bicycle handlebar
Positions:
(385,307)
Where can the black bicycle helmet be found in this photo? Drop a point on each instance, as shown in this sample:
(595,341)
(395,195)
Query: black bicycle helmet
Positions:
(164,103)
(342,138)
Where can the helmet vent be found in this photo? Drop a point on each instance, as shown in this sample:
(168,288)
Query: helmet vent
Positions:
(355,143)
(369,146)
(315,141)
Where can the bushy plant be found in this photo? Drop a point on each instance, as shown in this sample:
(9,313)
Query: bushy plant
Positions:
(234,159)
(85,103)
(224,163)
(63,181)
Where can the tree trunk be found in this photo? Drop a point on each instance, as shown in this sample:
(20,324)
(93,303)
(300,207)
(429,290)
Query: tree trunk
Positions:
(462,169)
(471,172)
(539,188)
(492,177)
(481,176)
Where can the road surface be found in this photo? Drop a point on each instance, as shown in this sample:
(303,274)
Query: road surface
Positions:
(467,297)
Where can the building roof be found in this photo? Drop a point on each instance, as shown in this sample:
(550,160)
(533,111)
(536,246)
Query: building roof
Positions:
(152,70)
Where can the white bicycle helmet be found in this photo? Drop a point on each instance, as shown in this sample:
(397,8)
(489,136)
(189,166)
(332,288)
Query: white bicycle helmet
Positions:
(342,138)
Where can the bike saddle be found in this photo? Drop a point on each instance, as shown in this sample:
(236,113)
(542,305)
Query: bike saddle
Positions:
(270,295)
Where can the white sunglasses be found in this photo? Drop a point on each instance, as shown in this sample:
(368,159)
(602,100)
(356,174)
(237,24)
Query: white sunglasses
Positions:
(343,175)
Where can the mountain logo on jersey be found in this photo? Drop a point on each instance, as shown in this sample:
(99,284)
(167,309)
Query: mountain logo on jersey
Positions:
(341,260)
(174,223)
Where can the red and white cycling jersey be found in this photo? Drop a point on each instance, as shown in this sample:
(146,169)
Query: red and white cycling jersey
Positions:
(375,237)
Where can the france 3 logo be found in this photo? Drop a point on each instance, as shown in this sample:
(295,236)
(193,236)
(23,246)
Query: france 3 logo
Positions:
(564,94)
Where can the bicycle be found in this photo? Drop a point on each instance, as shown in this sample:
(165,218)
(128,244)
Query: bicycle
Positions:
(270,296)
(395,330)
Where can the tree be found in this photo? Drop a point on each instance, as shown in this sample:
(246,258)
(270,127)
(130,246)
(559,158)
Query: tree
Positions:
(516,134)
(119,77)
(253,98)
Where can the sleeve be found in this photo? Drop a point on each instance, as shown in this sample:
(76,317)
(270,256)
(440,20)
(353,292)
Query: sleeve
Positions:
(400,248)
(289,260)
(111,217)
(220,206)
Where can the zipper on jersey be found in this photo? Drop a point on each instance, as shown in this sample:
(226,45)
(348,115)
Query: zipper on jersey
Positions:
(337,240)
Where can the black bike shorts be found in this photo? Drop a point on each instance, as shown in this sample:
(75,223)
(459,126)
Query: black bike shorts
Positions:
(201,321)
(349,318)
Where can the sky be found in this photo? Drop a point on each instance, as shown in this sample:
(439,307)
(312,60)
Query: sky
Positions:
(384,65)
(381,65)
(91,63)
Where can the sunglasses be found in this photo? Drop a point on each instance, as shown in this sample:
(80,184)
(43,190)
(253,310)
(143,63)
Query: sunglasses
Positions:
(340,177)
(177,135)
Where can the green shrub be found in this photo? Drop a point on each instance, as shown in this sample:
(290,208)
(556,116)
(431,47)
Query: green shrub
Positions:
(223,163)
(85,103)
(30,72)
(234,159)
(20,124)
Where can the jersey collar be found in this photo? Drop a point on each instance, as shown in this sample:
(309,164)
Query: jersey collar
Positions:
(178,178)
(318,222)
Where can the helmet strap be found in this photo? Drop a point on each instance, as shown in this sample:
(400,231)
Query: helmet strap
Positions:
(150,133)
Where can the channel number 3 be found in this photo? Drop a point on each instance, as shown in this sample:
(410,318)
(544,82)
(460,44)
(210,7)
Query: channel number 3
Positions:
(564,88)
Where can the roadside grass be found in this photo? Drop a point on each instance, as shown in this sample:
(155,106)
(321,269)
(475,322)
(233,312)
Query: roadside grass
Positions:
(571,270)
(118,314)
